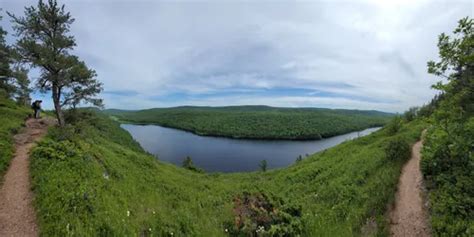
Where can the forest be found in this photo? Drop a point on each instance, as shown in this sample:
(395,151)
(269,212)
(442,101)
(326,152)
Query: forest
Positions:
(257,122)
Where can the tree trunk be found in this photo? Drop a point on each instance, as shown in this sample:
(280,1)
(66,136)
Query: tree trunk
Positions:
(57,105)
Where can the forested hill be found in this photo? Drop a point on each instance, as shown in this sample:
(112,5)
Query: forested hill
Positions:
(257,122)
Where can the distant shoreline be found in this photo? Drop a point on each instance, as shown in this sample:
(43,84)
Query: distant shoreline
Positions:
(243,138)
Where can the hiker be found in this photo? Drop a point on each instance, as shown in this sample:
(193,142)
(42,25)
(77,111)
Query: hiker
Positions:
(36,106)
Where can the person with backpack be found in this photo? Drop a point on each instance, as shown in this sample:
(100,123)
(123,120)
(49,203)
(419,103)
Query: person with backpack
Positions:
(36,106)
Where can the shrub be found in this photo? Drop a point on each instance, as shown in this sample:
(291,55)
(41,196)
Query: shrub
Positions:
(397,149)
(394,125)
(447,164)
(188,164)
(411,114)
(263,165)
(258,214)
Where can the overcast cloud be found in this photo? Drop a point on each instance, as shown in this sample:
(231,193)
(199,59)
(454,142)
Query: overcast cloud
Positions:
(336,54)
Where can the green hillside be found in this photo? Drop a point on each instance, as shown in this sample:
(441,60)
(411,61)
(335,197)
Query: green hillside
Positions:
(257,122)
(12,118)
(93,179)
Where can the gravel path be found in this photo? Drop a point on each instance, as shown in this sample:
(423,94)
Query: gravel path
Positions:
(17,215)
(408,217)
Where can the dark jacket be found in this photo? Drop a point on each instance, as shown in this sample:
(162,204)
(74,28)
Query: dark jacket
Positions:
(36,105)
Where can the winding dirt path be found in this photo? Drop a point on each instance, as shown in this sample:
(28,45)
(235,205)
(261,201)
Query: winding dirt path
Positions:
(408,217)
(17,215)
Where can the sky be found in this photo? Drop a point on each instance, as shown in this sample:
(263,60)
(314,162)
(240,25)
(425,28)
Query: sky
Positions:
(367,54)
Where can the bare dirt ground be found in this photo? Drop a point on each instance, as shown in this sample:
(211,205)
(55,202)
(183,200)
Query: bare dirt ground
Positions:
(409,217)
(17,215)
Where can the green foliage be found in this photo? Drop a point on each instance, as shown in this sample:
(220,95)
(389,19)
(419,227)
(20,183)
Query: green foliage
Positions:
(12,118)
(448,164)
(6,87)
(261,215)
(188,164)
(14,81)
(22,92)
(411,114)
(299,159)
(258,122)
(397,149)
(45,43)
(92,179)
(263,165)
(394,125)
(448,159)
(427,110)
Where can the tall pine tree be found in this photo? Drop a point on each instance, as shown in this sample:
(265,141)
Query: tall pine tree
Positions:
(45,43)
(6,87)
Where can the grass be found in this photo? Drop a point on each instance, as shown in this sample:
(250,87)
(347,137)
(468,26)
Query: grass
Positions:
(257,122)
(93,179)
(11,120)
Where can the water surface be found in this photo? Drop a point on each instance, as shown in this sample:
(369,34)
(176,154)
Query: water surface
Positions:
(217,154)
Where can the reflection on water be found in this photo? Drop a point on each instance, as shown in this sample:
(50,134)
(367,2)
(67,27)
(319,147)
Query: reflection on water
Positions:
(217,154)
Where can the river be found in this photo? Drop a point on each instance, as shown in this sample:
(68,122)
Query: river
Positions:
(218,154)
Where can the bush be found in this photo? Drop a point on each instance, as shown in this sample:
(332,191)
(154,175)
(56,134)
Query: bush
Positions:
(188,164)
(258,214)
(394,125)
(411,114)
(397,149)
(263,165)
(448,166)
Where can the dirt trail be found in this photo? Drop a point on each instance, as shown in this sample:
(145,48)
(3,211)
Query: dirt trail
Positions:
(17,215)
(408,217)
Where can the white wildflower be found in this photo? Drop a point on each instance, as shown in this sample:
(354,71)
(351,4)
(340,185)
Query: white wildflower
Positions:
(128,213)
(149,229)
(226,230)
(260,229)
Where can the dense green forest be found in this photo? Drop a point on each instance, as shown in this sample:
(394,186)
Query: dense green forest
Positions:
(258,122)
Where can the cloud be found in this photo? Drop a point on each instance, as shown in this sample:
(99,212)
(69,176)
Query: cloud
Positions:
(360,54)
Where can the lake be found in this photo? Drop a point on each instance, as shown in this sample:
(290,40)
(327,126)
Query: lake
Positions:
(217,154)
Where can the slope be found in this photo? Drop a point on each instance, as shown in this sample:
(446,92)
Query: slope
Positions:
(93,179)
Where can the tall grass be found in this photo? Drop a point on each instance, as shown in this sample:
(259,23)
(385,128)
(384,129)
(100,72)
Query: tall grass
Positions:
(12,118)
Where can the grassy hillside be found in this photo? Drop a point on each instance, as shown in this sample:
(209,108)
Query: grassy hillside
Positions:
(257,122)
(93,179)
(12,118)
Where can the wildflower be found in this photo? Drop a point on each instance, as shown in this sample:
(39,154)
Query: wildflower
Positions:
(128,213)
(149,229)
(171,234)
(226,230)
(154,212)
(260,229)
